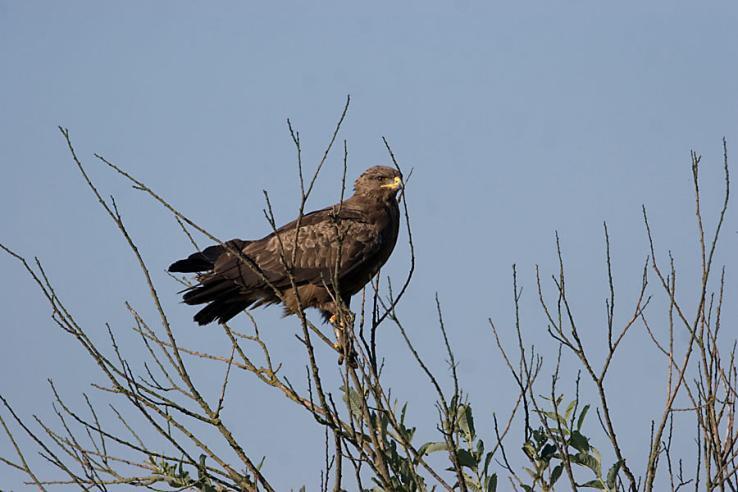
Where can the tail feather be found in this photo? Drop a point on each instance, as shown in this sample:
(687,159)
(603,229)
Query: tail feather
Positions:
(209,291)
(205,259)
(221,310)
(223,296)
(198,262)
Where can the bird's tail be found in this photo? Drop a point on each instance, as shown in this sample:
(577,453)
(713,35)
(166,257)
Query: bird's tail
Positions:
(204,260)
(224,298)
(198,262)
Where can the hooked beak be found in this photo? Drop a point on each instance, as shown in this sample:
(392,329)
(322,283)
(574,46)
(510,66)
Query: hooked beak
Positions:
(395,184)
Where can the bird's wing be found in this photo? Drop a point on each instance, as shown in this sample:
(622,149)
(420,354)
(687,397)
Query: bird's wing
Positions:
(319,252)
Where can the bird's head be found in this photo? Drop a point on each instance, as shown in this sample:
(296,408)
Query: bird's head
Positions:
(380,181)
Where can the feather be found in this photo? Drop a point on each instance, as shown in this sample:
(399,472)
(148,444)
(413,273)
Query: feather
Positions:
(347,243)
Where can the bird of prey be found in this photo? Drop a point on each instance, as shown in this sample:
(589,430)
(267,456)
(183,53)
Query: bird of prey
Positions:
(334,250)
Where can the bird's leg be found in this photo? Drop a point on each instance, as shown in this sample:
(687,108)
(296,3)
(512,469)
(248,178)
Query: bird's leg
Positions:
(341,326)
(336,330)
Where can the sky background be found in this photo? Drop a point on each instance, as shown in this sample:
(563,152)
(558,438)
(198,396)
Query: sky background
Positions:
(518,120)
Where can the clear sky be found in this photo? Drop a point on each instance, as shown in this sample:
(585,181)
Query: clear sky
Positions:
(518,118)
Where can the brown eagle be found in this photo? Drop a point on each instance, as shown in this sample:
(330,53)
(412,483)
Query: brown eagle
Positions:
(348,242)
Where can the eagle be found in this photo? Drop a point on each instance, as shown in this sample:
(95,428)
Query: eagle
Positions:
(313,261)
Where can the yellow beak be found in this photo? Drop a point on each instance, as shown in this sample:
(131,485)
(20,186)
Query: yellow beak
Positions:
(395,184)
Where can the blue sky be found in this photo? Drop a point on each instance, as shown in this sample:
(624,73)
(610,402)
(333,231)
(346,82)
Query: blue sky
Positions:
(518,120)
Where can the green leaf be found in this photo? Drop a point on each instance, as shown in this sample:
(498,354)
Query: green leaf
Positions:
(487,461)
(584,459)
(555,417)
(466,459)
(593,484)
(432,447)
(547,452)
(570,409)
(491,485)
(559,399)
(612,473)
(540,436)
(579,442)
(479,452)
(529,450)
(580,420)
(472,483)
(556,473)
(354,401)
(598,457)
(466,422)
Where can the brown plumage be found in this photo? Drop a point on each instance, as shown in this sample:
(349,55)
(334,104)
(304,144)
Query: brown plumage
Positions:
(367,222)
